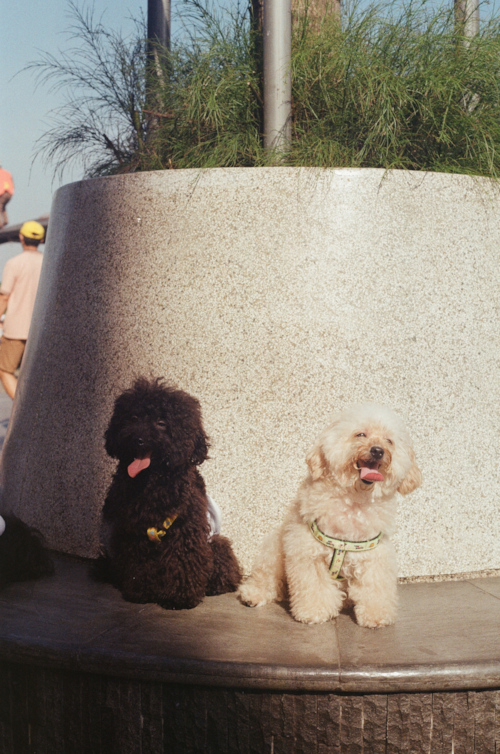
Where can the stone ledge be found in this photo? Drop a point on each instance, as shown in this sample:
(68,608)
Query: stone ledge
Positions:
(446,639)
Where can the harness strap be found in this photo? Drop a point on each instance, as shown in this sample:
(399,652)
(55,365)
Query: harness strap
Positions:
(340,547)
(155,535)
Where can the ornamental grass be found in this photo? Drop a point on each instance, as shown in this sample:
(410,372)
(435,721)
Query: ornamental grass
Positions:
(385,87)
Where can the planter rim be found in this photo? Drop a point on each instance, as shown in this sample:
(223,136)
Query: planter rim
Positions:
(286,170)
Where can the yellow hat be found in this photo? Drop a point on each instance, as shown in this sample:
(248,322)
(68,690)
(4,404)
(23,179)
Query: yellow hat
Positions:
(32,229)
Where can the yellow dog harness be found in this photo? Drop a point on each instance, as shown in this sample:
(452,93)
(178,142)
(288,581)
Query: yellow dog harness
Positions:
(155,535)
(340,547)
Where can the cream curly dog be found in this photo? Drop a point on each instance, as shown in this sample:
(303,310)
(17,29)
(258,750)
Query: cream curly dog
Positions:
(328,546)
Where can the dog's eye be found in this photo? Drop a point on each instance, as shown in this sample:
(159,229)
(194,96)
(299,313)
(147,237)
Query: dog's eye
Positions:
(361,434)
(161,423)
(389,441)
(134,418)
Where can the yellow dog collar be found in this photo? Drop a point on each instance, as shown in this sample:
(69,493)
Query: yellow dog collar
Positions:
(340,547)
(156,535)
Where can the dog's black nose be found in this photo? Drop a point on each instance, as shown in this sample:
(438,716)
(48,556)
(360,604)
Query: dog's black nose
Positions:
(376,452)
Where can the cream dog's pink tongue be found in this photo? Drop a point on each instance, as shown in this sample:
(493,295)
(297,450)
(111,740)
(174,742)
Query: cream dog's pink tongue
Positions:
(370,475)
(138,465)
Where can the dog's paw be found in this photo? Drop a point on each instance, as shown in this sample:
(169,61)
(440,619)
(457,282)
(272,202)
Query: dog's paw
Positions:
(316,604)
(251,595)
(314,616)
(374,617)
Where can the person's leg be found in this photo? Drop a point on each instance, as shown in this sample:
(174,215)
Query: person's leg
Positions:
(9,382)
(11,354)
(4,200)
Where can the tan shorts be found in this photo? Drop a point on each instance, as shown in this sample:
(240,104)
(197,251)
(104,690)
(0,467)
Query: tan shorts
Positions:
(11,354)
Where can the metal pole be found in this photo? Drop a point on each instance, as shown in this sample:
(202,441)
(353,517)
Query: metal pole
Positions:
(467,16)
(159,23)
(277,74)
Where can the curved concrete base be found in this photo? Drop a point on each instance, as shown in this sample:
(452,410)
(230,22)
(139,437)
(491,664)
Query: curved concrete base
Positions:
(275,296)
(53,711)
(83,671)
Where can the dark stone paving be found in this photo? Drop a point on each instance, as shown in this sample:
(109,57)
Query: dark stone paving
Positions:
(446,638)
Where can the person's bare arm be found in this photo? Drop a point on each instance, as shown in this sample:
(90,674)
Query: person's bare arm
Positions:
(3,303)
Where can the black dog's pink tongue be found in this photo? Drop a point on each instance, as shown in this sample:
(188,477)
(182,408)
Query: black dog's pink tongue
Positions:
(138,465)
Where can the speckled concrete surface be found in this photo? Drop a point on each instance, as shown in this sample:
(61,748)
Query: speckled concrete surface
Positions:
(275,296)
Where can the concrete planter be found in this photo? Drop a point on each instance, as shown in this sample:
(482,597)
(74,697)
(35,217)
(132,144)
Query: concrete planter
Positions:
(275,296)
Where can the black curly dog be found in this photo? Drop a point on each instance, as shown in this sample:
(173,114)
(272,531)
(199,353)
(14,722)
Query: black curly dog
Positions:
(155,513)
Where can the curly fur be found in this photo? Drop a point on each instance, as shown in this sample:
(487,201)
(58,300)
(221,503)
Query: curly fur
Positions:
(294,564)
(156,421)
(23,555)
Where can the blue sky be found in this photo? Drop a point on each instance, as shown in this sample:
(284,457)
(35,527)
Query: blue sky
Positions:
(29,27)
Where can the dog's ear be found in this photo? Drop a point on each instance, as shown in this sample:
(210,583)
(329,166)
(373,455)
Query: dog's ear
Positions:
(413,479)
(110,443)
(200,452)
(110,438)
(316,462)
